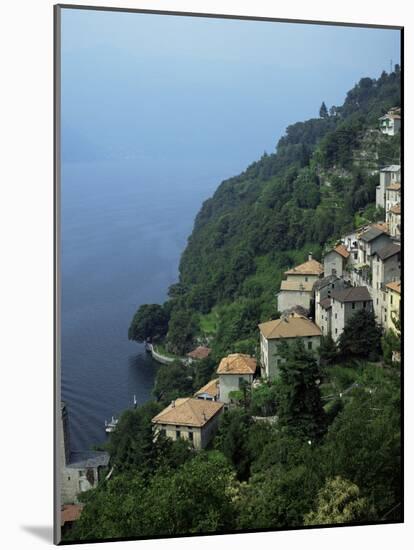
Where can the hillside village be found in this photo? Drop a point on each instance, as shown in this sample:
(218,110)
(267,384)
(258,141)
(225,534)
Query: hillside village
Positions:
(362,271)
(316,301)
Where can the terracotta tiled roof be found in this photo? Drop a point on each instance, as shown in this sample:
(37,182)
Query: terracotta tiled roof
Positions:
(395,286)
(382,226)
(201,352)
(396,209)
(297,285)
(311,267)
(237,363)
(289,327)
(70,512)
(188,411)
(352,294)
(342,250)
(211,388)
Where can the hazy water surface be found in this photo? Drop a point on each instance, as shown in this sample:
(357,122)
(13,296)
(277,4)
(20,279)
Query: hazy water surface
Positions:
(124,226)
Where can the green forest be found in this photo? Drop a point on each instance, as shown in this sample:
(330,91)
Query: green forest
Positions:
(333,456)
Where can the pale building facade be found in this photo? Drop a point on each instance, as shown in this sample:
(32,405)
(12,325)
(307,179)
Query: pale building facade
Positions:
(335,261)
(394,221)
(323,290)
(344,304)
(392,198)
(235,370)
(386,267)
(296,289)
(393,305)
(388,175)
(287,329)
(191,419)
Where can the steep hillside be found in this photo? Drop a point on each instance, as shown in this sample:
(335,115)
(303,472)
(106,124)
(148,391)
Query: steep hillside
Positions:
(318,183)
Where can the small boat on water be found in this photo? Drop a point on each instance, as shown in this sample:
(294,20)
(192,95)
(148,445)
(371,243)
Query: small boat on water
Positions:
(110,426)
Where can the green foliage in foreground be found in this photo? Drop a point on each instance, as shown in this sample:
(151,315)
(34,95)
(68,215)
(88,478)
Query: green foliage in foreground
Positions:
(195,498)
(259,475)
(338,502)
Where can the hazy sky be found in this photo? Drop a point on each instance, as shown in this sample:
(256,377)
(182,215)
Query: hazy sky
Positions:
(139,85)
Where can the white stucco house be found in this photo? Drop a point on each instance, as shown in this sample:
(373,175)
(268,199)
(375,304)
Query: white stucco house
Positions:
(235,370)
(344,304)
(390,123)
(296,289)
(189,418)
(288,329)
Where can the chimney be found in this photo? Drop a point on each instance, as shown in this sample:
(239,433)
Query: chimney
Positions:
(310,256)
(173,404)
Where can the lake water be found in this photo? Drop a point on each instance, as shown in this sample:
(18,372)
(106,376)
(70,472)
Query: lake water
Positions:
(124,226)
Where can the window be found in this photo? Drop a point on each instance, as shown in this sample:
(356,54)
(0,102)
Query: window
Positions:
(163,431)
(310,345)
(364,304)
(391,299)
(178,434)
(336,331)
(377,301)
(68,478)
(355,255)
(81,472)
(191,436)
(353,305)
(306,279)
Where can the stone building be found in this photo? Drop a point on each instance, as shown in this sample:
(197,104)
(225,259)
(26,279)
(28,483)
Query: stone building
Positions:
(235,370)
(80,470)
(335,261)
(388,175)
(288,329)
(394,221)
(323,290)
(195,420)
(344,304)
(392,198)
(386,267)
